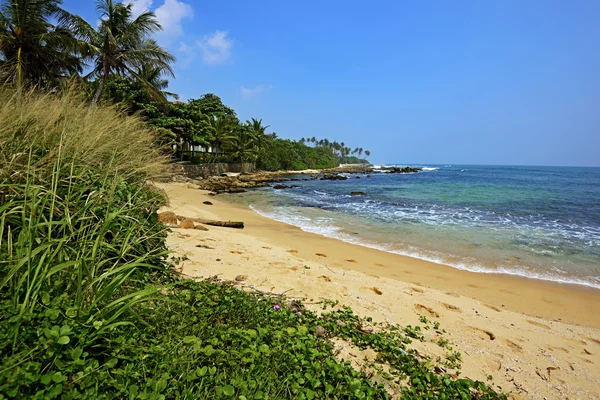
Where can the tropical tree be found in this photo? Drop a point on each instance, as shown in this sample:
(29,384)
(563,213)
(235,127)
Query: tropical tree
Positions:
(367,153)
(37,45)
(223,134)
(122,45)
(154,76)
(257,133)
(244,147)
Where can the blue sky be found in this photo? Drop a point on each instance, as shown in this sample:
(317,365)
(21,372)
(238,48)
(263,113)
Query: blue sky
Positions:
(460,82)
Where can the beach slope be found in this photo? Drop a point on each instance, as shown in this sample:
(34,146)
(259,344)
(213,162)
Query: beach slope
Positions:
(535,339)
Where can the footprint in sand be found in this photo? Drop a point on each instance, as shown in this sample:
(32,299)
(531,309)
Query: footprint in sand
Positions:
(491,307)
(325,278)
(377,291)
(451,307)
(591,339)
(421,307)
(320,254)
(514,346)
(558,348)
(352,261)
(292,251)
(538,324)
(490,335)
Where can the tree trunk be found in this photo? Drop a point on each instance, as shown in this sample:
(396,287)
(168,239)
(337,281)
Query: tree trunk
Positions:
(101,86)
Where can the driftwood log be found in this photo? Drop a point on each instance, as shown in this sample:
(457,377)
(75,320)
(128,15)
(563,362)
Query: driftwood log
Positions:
(226,224)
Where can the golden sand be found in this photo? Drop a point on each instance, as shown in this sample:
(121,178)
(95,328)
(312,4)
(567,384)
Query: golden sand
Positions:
(536,339)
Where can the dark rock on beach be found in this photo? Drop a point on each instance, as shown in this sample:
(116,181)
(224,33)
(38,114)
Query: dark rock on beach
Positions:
(358,194)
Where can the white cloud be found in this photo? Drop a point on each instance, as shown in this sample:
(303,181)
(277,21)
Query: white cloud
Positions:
(138,6)
(216,48)
(251,92)
(170,15)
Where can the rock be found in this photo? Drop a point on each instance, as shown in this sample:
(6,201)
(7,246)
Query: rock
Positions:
(208,203)
(358,194)
(241,278)
(278,187)
(320,331)
(199,227)
(186,224)
(357,177)
(368,176)
(333,177)
(340,323)
(168,217)
(405,170)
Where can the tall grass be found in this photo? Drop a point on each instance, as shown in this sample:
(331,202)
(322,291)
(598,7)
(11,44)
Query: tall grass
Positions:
(75,217)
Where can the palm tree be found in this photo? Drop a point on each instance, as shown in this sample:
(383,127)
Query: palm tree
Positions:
(222,135)
(154,77)
(244,146)
(122,45)
(360,151)
(37,45)
(367,153)
(257,133)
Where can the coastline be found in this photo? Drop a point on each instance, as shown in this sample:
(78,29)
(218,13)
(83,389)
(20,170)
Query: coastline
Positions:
(535,324)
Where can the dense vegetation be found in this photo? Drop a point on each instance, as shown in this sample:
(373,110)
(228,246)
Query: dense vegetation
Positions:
(90,305)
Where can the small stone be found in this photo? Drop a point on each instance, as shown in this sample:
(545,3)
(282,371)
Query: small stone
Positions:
(320,331)
(167,217)
(208,203)
(186,224)
(200,227)
(241,278)
(358,194)
(218,259)
(340,323)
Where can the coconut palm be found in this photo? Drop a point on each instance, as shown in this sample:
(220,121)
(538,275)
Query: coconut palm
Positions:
(37,46)
(367,153)
(155,77)
(223,134)
(257,133)
(122,45)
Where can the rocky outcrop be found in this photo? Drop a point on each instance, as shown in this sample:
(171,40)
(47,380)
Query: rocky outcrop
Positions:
(358,194)
(333,177)
(405,170)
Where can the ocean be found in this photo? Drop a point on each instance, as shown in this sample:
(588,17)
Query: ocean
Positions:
(536,222)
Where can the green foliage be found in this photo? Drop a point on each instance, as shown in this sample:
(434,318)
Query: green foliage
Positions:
(37,46)
(283,154)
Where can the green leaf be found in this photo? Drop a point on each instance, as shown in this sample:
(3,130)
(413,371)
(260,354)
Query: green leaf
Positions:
(58,377)
(291,330)
(228,390)
(76,353)
(263,348)
(201,371)
(63,340)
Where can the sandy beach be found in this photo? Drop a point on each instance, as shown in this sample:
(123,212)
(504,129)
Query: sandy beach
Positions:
(537,339)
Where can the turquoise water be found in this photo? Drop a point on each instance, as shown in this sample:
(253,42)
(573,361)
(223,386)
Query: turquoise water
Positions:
(538,222)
